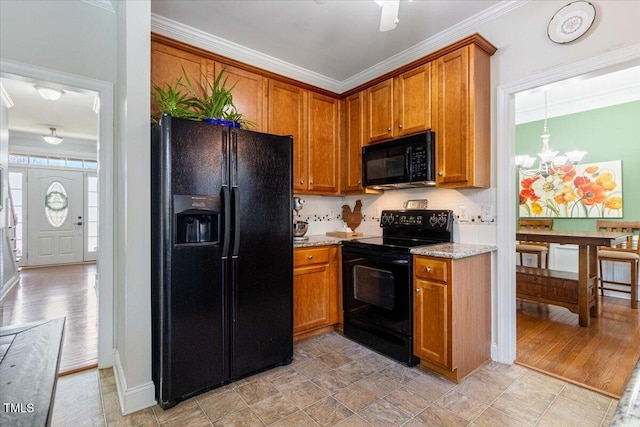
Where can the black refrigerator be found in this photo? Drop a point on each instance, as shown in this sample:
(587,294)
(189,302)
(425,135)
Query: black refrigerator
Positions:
(222,255)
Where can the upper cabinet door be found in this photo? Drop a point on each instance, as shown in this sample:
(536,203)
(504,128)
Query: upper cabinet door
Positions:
(323,143)
(249,94)
(452,136)
(354,139)
(412,98)
(167,64)
(380,111)
(287,106)
(462,89)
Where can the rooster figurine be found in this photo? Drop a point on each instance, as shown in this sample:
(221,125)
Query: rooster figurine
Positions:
(353,219)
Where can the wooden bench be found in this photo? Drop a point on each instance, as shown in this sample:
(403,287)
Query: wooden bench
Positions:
(29,372)
(552,287)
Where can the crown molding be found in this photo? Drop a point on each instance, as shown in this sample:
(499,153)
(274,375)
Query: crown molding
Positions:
(430,45)
(229,49)
(206,41)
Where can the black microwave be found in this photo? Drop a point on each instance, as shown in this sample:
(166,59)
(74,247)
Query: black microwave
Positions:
(401,163)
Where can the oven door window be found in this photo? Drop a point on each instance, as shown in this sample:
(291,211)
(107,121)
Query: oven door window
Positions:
(374,286)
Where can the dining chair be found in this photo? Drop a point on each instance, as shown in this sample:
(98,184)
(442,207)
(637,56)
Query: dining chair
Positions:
(627,252)
(539,249)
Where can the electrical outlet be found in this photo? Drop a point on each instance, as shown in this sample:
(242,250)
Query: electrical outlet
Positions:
(463,214)
(486,214)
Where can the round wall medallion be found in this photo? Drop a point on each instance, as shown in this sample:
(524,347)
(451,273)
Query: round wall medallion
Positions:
(571,22)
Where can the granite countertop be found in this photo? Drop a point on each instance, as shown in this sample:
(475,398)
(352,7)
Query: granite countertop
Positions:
(444,250)
(322,240)
(453,250)
(628,410)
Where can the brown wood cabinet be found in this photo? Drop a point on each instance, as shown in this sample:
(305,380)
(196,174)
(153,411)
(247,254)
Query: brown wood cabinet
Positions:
(316,290)
(412,101)
(249,94)
(452,313)
(379,113)
(400,106)
(461,90)
(167,63)
(287,115)
(323,144)
(353,141)
(313,120)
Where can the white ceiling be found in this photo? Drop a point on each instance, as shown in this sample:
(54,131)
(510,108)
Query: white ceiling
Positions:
(334,40)
(72,115)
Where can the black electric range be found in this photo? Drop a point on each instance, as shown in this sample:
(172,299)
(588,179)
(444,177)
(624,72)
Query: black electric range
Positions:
(377,279)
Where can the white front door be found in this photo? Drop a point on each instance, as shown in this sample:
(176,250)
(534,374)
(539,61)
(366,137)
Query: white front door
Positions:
(55,217)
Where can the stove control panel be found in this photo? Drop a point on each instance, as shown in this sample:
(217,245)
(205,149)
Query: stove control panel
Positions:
(424,219)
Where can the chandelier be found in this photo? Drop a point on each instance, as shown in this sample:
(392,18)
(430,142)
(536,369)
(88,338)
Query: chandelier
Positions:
(550,162)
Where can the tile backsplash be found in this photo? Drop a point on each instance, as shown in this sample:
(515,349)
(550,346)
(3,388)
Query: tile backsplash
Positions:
(324,213)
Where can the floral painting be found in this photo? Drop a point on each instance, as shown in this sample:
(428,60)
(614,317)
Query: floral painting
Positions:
(587,191)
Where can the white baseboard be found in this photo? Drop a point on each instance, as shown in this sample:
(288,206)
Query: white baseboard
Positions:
(135,398)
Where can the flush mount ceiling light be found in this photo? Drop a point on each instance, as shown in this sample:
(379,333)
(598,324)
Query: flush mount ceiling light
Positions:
(49,94)
(53,138)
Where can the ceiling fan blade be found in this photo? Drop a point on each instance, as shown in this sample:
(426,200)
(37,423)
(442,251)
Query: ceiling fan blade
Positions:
(389,16)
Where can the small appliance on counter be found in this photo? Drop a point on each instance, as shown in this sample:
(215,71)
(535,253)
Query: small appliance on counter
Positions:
(299,227)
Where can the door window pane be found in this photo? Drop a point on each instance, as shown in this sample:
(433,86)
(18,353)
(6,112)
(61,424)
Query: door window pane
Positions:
(56,204)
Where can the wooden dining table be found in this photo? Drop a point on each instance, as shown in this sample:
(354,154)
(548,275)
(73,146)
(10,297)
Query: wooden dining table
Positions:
(587,302)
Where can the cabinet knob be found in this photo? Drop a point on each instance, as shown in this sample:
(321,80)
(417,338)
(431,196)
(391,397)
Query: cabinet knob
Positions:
(428,269)
(400,126)
(310,257)
(302,181)
(311,182)
(359,182)
(388,129)
(417,290)
(440,174)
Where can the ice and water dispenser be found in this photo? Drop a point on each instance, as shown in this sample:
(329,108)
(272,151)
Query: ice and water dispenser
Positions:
(197,219)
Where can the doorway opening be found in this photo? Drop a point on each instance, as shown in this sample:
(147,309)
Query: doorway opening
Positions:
(93,159)
(511,310)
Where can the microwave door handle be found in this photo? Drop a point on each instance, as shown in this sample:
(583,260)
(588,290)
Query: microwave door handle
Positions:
(407,163)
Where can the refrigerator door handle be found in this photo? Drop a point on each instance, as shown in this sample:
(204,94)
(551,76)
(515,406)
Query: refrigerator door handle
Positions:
(226,224)
(234,160)
(235,193)
(225,159)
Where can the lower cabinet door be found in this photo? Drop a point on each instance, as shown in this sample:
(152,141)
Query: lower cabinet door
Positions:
(431,311)
(311,307)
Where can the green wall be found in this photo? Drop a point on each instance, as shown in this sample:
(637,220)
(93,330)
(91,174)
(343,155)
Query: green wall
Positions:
(610,133)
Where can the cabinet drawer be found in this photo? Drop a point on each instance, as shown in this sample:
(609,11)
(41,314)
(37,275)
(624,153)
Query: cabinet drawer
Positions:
(310,256)
(431,269)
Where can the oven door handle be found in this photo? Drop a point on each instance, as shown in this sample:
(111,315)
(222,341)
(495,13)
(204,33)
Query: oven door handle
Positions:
(400,262)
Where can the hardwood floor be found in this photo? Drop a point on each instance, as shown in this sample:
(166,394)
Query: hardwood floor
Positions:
(600,357)
(61,291)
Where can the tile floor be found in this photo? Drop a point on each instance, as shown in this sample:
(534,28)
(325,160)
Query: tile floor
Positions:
(334,381)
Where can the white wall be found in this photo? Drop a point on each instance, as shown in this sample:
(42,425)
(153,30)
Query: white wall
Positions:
(133,284)
(71,36)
